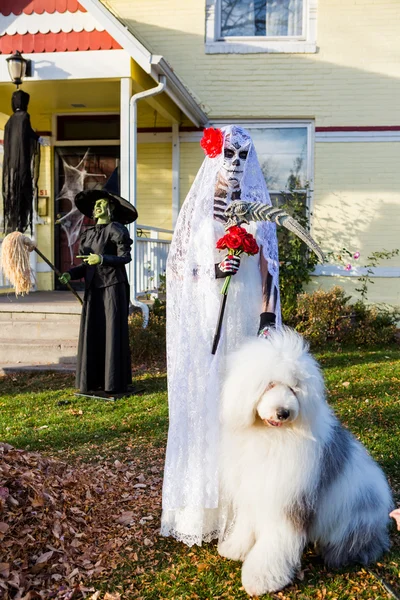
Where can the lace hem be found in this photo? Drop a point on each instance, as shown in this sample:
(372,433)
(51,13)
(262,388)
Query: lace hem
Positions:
(188,539)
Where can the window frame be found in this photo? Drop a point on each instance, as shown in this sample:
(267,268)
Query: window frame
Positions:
(216,44)
(308,124)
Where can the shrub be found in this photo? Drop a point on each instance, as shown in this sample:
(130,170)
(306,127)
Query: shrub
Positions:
(329,317)
(296,261)
(147,345)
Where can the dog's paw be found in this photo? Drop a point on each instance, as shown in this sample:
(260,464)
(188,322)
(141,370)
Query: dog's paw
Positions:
(230,551)
(253,585)
(257,583)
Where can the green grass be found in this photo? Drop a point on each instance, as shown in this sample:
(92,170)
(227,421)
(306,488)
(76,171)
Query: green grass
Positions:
(364,389)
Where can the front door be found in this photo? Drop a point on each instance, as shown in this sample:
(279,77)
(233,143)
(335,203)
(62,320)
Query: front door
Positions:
(77,168)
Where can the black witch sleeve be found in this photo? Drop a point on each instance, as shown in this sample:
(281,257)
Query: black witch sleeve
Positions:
(120,236)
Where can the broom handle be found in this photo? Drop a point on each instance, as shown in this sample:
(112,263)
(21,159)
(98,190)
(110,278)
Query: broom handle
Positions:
(58,273)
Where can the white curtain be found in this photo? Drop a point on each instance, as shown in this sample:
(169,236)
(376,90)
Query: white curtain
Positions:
(284,17)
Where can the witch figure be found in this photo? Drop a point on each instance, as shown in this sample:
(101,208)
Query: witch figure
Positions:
(104,363)
(20,167)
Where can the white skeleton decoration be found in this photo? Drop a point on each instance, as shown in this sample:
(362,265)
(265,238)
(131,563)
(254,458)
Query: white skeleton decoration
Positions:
(190,492)
(227,189)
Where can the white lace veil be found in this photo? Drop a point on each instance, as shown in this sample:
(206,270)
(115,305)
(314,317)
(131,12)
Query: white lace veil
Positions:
(190,492)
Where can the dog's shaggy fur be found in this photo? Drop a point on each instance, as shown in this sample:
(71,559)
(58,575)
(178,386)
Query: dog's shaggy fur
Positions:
(290,472)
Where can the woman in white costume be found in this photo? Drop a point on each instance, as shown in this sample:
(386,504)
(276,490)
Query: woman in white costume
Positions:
(195,275)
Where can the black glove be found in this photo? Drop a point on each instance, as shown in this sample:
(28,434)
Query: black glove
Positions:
(267,322)
(229,266)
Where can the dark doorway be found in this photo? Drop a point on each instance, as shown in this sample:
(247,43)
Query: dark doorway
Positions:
(77,168)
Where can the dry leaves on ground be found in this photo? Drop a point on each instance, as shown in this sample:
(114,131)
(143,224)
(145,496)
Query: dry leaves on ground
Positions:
(63,526)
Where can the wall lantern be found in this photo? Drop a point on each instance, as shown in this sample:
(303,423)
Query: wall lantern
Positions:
(18,67)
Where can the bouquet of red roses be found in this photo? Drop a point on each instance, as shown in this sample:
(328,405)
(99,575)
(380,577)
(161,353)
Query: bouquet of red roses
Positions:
(237,241)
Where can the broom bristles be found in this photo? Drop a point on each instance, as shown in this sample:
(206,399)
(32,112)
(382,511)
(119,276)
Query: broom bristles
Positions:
(15,263)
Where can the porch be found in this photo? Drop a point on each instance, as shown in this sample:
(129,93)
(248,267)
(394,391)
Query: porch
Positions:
(111,107)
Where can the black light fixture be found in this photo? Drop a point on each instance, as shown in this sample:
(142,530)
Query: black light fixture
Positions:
(18,67)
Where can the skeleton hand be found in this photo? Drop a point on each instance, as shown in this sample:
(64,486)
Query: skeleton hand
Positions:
(229,266)
(236,213)
(93,259)
(64,278)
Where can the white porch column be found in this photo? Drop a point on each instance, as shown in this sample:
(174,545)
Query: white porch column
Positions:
(175,173)
(125,154)
(125,98)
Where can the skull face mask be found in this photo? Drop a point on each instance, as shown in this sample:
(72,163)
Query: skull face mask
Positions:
(236,149)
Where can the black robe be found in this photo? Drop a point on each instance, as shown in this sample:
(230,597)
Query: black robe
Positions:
(20,166)
(104,361)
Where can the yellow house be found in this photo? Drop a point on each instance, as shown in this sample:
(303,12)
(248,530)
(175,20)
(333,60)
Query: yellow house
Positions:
(315,82)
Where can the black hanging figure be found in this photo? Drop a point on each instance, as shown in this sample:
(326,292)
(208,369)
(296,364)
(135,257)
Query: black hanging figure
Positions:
(20,167)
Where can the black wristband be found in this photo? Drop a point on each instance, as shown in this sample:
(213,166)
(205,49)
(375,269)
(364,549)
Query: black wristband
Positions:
(218,273)
(267,319)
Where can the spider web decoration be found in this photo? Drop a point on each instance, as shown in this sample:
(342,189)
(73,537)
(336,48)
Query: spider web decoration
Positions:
(74,182)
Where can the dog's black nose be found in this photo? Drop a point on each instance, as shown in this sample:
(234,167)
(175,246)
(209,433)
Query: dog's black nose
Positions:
(282,414)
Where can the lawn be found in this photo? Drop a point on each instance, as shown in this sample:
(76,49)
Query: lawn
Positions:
(122,443)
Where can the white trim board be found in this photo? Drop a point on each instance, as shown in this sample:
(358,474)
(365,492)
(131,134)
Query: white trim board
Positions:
(91,64)
(328,270)
(357,136)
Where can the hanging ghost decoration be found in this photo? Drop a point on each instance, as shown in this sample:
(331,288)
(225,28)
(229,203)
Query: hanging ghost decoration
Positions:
(20,166)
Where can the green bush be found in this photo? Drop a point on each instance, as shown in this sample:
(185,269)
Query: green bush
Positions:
(296,261)
(329,317)
(149,344)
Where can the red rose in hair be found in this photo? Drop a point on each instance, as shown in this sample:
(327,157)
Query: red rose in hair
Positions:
(212,142)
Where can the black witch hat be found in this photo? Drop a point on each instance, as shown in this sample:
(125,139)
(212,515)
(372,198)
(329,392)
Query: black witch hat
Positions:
(123,211)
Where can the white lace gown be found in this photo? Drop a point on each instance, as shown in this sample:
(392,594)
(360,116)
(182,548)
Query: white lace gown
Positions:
(191,511)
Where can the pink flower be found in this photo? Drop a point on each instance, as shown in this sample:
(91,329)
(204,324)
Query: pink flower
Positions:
(348,267)
(356,255)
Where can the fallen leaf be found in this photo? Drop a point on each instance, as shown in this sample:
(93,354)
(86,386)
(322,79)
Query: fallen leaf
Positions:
(126,518)
(4,569)
(3,527)
(45,557)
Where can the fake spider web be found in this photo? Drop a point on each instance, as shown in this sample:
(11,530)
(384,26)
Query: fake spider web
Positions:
(74,182)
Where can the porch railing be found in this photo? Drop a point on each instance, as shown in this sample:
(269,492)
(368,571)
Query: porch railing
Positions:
(152,247)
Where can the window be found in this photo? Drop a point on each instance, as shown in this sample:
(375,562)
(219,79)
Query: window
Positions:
(285,154)
(88,127)
(268,18)
(244,26)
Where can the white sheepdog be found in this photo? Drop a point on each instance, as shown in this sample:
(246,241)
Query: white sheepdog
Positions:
(290,473)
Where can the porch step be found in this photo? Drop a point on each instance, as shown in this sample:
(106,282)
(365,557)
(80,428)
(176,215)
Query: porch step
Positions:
(38,352)
(25,326)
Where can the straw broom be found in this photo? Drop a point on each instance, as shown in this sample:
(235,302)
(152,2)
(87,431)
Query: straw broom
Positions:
(15,263)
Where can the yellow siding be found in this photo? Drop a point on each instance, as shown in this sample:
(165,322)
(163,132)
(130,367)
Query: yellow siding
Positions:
(385,290)
(154,200)
(191,158)
(357,199)
(354,73)
(45,230)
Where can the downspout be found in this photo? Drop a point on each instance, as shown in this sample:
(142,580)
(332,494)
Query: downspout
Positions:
(133,185)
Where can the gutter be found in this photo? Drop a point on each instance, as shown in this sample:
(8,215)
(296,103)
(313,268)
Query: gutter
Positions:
(133,184)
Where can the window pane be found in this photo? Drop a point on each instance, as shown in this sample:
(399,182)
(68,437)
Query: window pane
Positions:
(282,153)
(261,17)
(88,127)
